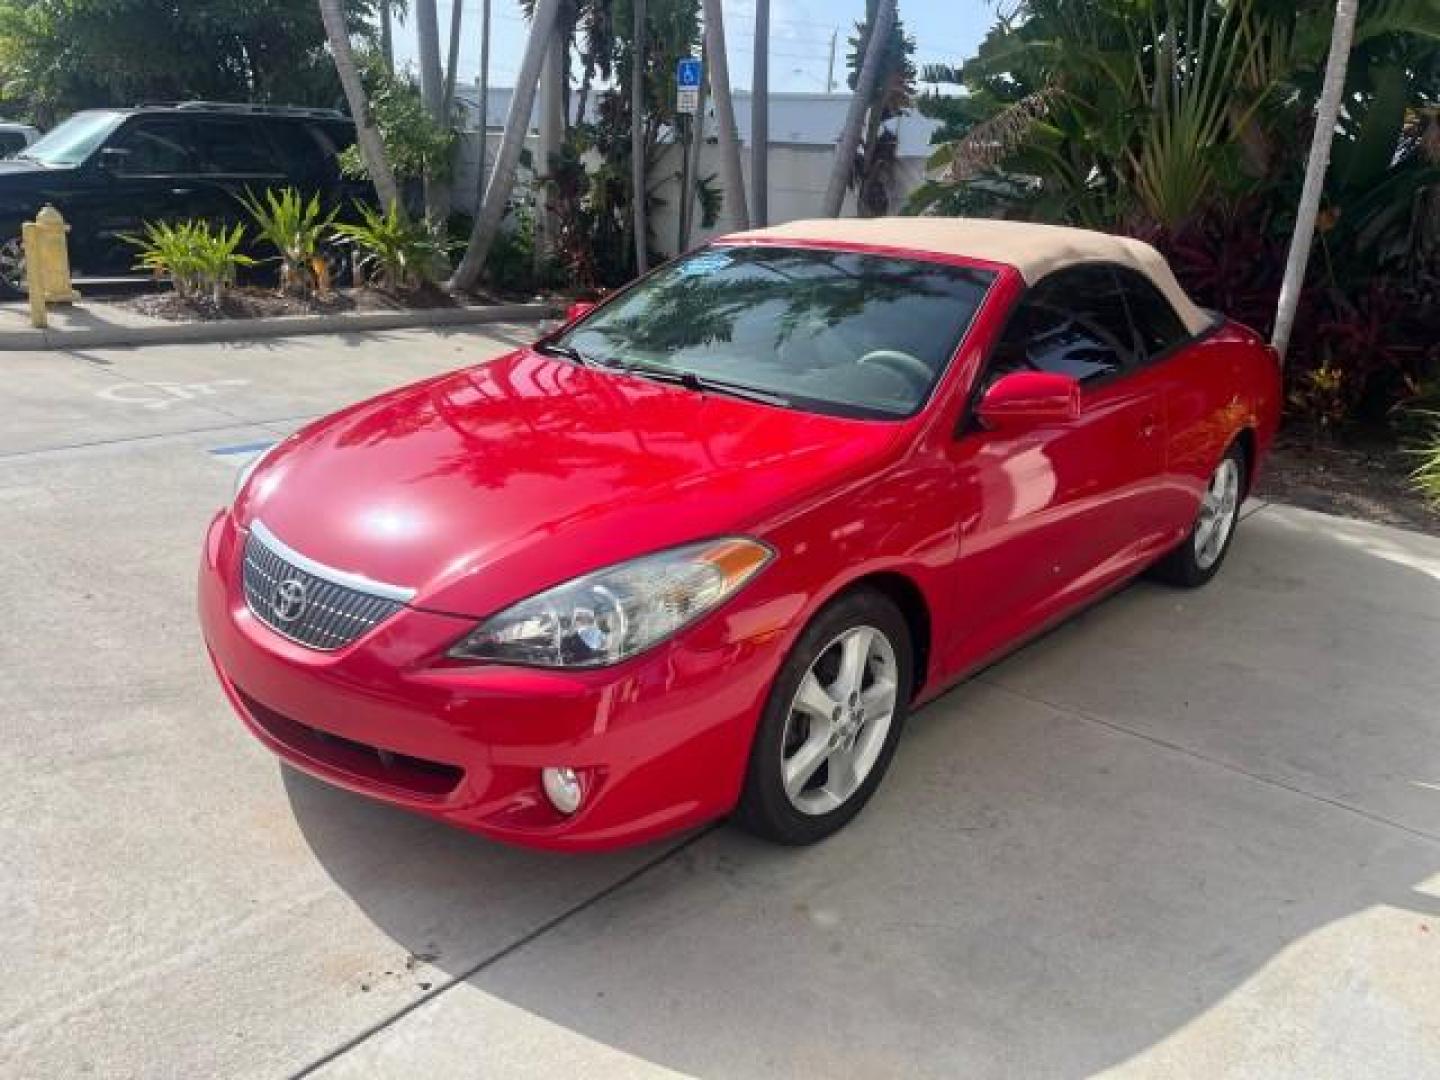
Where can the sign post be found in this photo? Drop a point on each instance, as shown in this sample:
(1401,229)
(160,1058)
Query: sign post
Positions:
(688,73)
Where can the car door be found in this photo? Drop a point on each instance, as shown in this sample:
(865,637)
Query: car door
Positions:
(146,171)
(1188,372)
(1052,514)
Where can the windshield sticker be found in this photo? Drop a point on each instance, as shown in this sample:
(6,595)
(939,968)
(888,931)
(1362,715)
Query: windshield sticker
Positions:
(709,263)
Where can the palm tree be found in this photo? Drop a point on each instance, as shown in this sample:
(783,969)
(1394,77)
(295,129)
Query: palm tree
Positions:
(760,117)
(725,114)
(372,149)
(1327,114)
(457,11)
(844,165)
(517,121)
(637,136)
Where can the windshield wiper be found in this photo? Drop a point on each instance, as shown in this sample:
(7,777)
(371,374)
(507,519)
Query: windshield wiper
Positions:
(569,352)
(702,384)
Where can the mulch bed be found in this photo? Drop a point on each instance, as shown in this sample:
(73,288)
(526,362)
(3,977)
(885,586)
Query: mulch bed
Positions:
(249,302)
(1358,476)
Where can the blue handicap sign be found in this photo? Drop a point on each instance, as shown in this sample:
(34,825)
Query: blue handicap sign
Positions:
(687,74)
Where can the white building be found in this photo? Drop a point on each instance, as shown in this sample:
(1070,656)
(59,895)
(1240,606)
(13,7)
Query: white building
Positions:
(804,130)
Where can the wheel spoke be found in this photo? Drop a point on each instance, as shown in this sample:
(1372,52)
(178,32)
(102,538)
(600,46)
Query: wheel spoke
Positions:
(800,766)
(854,653)
(814,700)
(879,700)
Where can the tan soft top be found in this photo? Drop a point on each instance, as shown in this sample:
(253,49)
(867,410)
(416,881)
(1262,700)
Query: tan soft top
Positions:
(1034,250)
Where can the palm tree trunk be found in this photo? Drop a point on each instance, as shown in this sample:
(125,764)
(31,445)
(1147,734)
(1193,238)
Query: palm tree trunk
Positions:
(484,95)
(760,118)
(372,149)
(1327,113)
(387,36)
(427,34)
(719,76)
(637,137)
(432,93)
(692,163)
(844,165)
(517,123)
(457,10)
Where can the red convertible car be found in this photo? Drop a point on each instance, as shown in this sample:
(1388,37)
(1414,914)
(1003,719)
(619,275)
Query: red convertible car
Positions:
(699,552)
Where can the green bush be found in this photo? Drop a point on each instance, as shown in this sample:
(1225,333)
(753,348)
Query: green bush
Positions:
(393,250)
(199,260)
(1427,474)
(296,229)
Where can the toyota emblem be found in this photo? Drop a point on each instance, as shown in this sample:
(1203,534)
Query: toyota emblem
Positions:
(288,603)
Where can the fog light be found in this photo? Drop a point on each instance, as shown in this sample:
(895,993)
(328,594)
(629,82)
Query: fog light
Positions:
(562,787)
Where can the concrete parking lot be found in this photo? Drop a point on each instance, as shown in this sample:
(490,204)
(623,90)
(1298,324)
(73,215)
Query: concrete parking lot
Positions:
(1187,834)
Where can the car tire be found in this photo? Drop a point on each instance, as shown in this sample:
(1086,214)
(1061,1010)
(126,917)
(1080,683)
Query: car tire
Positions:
(841,696)
(12,264)
(1199,557)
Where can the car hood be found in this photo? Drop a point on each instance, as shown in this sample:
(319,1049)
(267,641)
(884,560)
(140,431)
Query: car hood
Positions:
(483,486)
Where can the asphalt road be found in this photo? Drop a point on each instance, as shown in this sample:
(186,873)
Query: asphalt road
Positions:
(1187,834)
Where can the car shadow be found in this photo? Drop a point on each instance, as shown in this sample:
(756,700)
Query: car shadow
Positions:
(1039,888)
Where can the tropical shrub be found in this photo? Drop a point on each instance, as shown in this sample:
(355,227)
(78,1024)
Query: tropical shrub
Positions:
(1427,474)
(394,250)
(200,260)
(1187,123)
(297,230)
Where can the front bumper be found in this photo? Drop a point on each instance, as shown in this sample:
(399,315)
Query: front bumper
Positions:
(660,741)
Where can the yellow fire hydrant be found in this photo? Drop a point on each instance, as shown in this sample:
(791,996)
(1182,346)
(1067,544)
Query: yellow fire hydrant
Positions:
(47,263)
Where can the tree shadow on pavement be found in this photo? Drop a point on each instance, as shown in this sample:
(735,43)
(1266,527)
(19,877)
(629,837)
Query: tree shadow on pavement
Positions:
(1057,876)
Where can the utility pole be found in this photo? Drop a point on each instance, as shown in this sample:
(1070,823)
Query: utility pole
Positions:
(760,119)
(387,36)
(830,74)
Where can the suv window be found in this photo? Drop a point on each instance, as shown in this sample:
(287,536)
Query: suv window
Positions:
(155,146)
(234,148)
(301,155)
(1157,327)
(11,142)
(1073,322)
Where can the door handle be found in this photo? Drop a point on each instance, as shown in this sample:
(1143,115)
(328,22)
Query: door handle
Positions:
(182,191)
(1149,428)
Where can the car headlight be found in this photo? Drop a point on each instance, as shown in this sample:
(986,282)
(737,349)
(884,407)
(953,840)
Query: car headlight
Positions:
(248,469)
(605,617)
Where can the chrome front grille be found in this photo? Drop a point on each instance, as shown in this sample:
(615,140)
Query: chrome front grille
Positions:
(310,604)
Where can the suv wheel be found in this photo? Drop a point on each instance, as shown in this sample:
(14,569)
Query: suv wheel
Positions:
(12,266)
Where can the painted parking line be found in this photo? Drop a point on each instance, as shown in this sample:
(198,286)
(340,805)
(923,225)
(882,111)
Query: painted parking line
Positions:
(243,448)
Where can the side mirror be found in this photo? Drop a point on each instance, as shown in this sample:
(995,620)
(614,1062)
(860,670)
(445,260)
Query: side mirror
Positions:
(1026,399)
(112,159)
(578,310)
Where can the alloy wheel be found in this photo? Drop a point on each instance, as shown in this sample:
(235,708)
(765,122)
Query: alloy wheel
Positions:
(838,720)
(12,264)
(1218,511)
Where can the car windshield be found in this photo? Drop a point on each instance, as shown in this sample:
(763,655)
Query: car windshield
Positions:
(76,139)
(840,332)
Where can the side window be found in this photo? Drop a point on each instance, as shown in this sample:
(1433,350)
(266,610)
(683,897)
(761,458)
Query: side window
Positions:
(234,148)
(155,146)
(300,155)
(11,142)
(1157,327)
(1073,322)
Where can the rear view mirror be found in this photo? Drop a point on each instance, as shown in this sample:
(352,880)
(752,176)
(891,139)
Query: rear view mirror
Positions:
(578,310)
(1026,399)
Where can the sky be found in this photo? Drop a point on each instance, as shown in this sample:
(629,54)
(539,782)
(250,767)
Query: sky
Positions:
(945,31)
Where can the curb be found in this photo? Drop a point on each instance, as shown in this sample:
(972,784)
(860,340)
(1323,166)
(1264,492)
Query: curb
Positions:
(285,326)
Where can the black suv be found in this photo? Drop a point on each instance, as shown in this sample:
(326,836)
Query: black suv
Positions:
(110,170)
